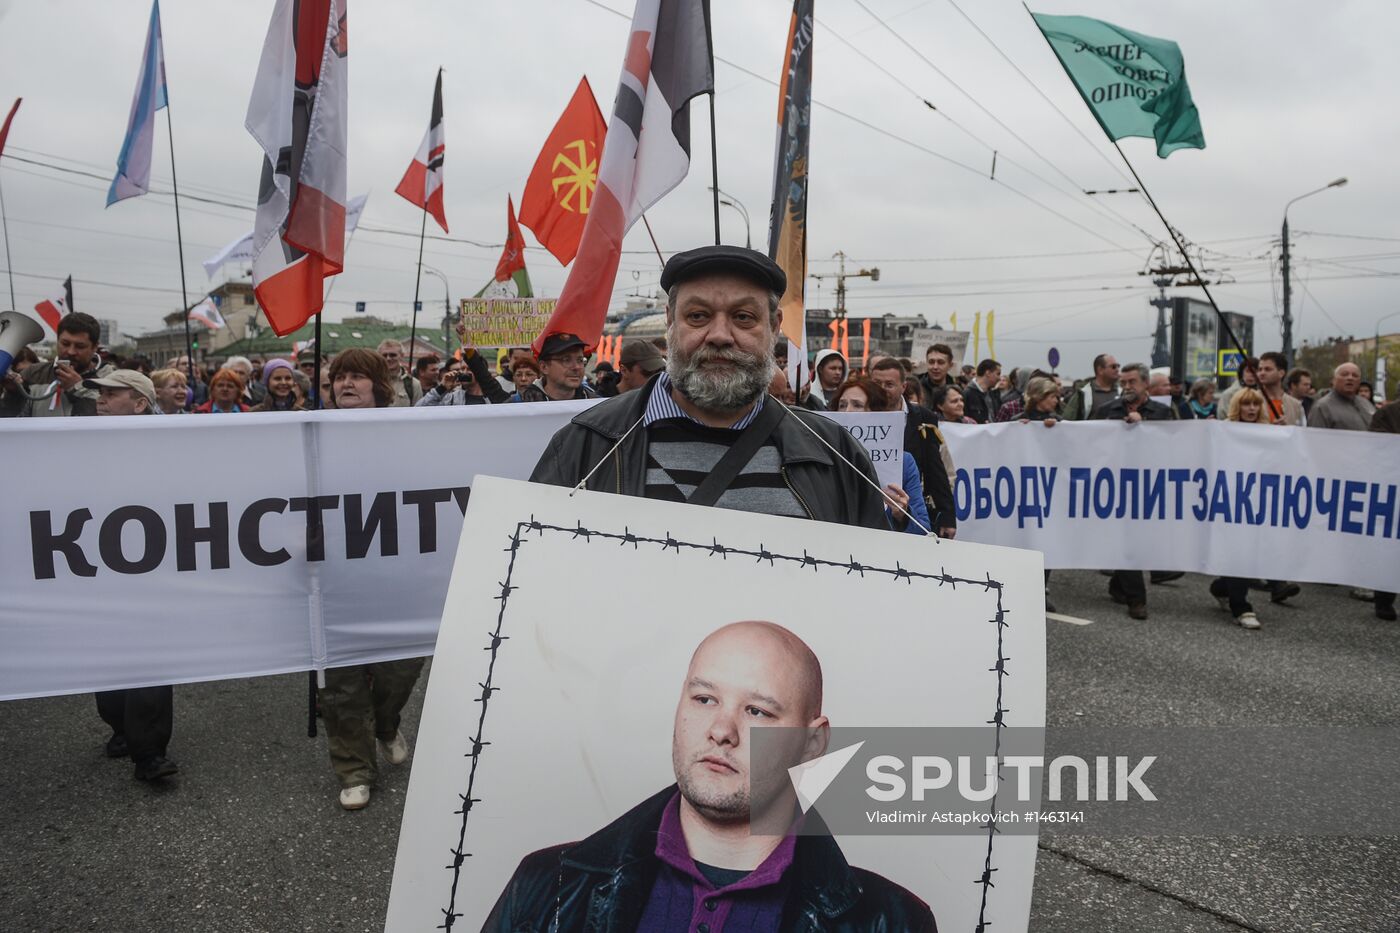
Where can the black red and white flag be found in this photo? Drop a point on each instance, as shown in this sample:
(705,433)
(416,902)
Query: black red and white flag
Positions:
(669,60)
(422,183)
(52,310)
(298,115)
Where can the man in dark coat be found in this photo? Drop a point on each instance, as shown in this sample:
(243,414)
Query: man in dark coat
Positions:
(1133,405)
(664,439)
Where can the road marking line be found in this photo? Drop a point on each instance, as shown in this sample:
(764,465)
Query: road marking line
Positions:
(1072,620)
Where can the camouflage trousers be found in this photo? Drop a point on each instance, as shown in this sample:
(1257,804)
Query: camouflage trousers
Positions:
(360,704)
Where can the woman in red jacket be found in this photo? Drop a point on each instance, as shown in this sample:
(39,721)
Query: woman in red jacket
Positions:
(225,394)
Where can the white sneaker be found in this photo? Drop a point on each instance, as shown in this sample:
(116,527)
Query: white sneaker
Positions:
(1248,620)
(355,798)
(395,751)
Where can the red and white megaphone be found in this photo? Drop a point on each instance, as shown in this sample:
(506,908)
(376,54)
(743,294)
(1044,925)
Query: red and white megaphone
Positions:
(17,331)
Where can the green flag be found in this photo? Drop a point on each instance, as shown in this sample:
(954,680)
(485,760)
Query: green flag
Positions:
(498,289)
(1134,84)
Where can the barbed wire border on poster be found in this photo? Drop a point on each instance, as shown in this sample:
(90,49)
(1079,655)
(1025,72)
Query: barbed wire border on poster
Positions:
(761,554)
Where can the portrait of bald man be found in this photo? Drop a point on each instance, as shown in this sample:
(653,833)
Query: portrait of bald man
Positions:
(685,858)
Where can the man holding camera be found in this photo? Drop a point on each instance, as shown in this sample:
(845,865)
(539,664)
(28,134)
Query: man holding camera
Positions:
(56,389)
(457,385)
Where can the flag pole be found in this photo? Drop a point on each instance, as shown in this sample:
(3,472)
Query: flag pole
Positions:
(1171,231)
(9,266)
(320,404)
(417,283)
(1176,238)
(654,245)
(714,144)
(714,166)
(180,243)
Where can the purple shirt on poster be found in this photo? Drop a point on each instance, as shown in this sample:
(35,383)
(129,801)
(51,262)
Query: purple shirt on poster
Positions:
(682,898)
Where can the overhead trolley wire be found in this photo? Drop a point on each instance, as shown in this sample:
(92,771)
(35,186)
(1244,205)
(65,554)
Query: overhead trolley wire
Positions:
(1075,195)
(976,103)
(1043,96)
(900,139)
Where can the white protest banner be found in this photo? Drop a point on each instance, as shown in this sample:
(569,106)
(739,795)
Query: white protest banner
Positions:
(303,540)
(550,714)
(1243,500)
(955,340)
(315,539)
(882,434)
(505,322)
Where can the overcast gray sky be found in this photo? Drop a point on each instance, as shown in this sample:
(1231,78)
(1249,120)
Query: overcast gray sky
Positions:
(1292,94)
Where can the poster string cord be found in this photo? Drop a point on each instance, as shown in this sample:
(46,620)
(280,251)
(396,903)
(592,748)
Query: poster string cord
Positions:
(604,459)
(859,472)
(786,413)
(760,555)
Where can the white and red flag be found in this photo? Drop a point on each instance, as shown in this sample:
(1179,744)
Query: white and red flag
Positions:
(298,115)
(669,61)
(207,313)
(422,183)
(52,310)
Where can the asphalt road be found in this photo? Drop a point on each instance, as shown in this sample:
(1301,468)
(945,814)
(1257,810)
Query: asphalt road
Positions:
(250,836)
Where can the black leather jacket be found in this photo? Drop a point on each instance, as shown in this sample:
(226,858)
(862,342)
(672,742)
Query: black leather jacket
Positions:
(601,885)
(828,490)
(1150,411)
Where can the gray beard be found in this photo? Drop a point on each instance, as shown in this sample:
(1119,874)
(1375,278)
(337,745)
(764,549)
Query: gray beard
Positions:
(722,392)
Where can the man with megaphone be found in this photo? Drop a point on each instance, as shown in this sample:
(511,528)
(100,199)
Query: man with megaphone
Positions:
(55,388)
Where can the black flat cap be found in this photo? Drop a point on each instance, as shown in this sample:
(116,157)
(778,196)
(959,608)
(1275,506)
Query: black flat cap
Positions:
(735,260)
(555,344)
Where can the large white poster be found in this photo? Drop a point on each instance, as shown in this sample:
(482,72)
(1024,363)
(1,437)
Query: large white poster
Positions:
(551,713)
(1243,500)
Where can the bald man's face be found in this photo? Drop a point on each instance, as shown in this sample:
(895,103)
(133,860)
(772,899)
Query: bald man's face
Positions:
(1346,379)
(744,675)
(780,390)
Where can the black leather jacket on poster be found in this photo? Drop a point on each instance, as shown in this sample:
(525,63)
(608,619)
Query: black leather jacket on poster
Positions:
(828,490)
(601,885)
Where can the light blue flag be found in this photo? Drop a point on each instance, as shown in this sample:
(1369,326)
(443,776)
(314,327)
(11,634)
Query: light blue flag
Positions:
(134,163)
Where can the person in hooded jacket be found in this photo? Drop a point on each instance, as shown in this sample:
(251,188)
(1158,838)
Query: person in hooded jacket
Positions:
(829,369)
(279,379)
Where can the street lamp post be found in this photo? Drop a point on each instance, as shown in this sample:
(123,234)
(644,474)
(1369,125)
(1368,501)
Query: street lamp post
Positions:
(447,313)
(1287,285)
(728,200)
(1377,378)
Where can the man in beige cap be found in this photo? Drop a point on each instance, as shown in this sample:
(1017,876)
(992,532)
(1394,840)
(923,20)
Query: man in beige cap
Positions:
(124,392)
(640,360)
(141,718)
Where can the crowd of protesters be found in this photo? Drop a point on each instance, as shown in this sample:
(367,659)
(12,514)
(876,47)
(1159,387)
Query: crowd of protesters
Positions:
(721,366)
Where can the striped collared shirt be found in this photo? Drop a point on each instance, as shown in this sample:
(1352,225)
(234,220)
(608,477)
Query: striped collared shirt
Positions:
(661,406)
